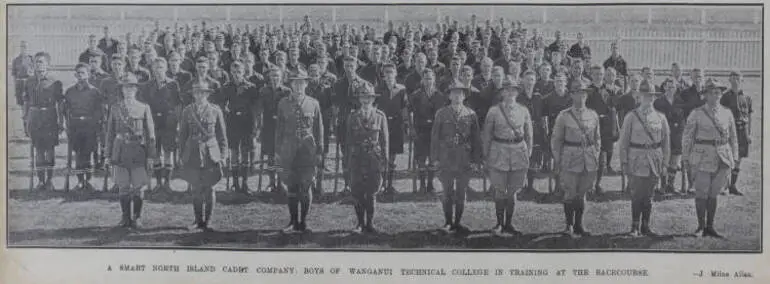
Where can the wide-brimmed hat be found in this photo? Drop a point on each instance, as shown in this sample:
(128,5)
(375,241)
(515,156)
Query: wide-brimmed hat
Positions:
(647,88)
(202,87)
(299,75)
(456,85)
(366,90)
(129,80)
(510,85)
(712,83)
(576,85)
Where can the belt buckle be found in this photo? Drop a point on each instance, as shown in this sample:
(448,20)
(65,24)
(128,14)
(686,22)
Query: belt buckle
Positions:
(159,114)
(238,113)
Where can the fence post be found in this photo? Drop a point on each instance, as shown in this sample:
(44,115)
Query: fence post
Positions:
(176,14)
(491,13)
(703,16)
(596,16)
(702,60)
(387,18)
(544,16)
(757,16)
(228,13)
(69,13)
(649,16)
(280,14)
(334,15)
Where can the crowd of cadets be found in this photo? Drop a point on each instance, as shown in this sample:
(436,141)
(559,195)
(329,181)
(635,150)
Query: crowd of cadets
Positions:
(481,94)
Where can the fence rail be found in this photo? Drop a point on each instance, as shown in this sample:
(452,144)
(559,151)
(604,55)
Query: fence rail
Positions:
(714,38)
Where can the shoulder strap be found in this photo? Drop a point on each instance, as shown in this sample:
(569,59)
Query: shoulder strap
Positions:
(508,121)
(198,122)
(644,125)
(713,121)
(581,126)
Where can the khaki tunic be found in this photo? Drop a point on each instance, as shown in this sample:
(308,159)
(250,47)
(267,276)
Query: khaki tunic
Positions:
(203,138)
(507,156)
(649,161)
(455,139)
(130,141)
(699,128)
(299,138)
(367,153)
(579,158)
(711,148)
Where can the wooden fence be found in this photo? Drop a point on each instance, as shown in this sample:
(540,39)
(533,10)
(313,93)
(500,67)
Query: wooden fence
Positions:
(714,38)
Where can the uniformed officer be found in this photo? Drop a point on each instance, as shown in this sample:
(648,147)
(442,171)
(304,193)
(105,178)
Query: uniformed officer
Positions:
(299,148)
(367,155)
(163,95)
(393,102)
(669,104)
(203,138)
(424,103)
(82,109)
(508,143)
(741,107)
(242,112)
(455,150)
(575,144)
(344,102)
(645,149)
(42,98)
(710,149)
(129,139)
(22,68)
(534,104)
(270,95)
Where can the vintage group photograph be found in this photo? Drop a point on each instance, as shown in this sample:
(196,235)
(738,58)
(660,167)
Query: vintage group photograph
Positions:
(385,127)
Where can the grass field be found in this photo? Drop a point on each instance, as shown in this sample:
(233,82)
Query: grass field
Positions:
(406,221)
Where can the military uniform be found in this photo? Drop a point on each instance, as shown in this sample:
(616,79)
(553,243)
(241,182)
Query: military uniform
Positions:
(424,106)
(211,82)
(299,143)
(142,74)
(645,149)
(367,157)
(692,99)
(165,101)
(220,75)
(710,149)
(455,144)
(203,140)
(575,147)
(413,80)
(242,111)
(508,145)
(129,139)
(182,77)
(344,98)
(625,104)
(21,69)
(83,109)
(42,97)
(270,97)
(741,107)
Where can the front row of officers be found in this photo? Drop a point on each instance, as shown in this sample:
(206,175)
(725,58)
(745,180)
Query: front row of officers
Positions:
(458,145)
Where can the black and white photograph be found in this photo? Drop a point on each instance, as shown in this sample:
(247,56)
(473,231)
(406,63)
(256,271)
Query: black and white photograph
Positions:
(385,127)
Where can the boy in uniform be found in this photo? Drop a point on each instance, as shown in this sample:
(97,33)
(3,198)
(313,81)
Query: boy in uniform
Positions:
(82,109)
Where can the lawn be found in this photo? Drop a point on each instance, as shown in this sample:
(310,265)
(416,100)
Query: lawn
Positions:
(406,221)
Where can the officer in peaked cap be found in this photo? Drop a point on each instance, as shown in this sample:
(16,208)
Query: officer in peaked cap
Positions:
(710,150)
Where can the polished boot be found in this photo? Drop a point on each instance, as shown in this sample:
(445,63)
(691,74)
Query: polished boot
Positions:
(711,211)
(700,211)
(137,206)
(579,210)
(125,209)
(510,206)
(646,215)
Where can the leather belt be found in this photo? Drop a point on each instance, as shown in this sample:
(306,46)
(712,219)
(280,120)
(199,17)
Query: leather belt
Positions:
(508,141)
(645,146)
(40,108)
(711,142)
(577,144)
(81,117)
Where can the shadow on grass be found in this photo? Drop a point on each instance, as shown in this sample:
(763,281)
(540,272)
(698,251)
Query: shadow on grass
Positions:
(103,235)
(403,240)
